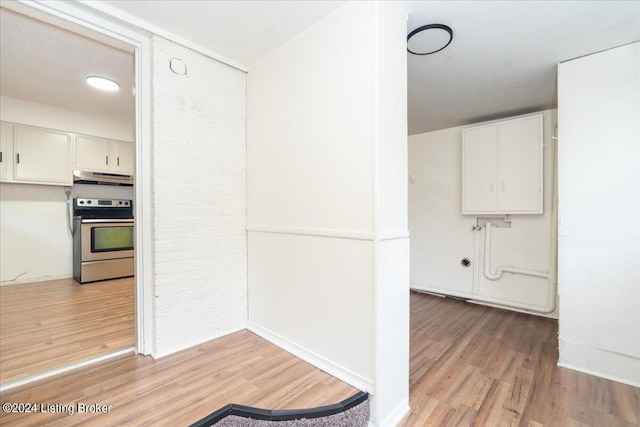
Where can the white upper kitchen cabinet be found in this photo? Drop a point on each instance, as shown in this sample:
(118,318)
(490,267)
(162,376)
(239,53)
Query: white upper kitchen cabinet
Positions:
(502,167)
(123,154)
(104,155)
(41,156)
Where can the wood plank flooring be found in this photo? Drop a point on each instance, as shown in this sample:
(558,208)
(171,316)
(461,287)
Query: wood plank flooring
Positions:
(471,365)
(182,388)
(47,325)
(482,366)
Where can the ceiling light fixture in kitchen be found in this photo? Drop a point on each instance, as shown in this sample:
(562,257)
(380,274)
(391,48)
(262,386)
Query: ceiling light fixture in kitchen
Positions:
(429,41)
(103,83)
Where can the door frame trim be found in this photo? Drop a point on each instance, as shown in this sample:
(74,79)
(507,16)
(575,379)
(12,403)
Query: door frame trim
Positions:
(86,21)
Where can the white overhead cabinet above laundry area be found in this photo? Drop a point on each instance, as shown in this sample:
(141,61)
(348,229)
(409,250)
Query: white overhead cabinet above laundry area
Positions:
(502,167)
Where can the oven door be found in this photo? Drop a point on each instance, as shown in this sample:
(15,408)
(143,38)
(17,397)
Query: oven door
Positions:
(104,239)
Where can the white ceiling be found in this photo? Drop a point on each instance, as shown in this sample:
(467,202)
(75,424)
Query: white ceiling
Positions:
(48,65)
(502,60)
(504,54)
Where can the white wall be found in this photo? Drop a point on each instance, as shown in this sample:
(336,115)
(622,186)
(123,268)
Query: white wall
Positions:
(391,235)
(34,242)
(199,199)
(441,236)
(310,163)
(599,228)
(317,129)
(29,113)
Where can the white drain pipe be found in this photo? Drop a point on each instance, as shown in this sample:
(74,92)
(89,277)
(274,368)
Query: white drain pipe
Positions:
(486,271)
(550,277)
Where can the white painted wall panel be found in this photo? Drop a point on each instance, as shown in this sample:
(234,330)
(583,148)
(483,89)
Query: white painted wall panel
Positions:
(392,331)
(315,292)
(440,235)
(599,227)
(29,113)
(199,199)
(310,130)
(310,167)
(34,241)
(392,120)
(390,192)
(326,177)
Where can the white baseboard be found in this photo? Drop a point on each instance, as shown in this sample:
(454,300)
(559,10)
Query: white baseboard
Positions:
(599,374)
(394,418)
(35,279)
(166,352)
(599,362)
(315,359)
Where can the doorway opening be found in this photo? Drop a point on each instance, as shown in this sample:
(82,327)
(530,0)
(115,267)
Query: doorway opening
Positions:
(60,323)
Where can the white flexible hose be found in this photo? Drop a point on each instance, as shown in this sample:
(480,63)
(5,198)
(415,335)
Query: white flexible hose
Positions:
(67,191)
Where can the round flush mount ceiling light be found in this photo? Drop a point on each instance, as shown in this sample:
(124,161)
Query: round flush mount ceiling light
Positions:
(423,42)
(103,83)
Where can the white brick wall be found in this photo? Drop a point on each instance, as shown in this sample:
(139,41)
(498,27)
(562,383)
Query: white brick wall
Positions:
(199,199)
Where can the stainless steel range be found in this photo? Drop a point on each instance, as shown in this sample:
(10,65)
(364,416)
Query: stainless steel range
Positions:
(102,239)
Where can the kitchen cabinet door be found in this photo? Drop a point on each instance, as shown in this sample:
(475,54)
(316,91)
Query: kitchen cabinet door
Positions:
(104,155)
(521,166)
(92,154)
(6,137)
(502,167)
(480,170)
(42,156)
(122,157)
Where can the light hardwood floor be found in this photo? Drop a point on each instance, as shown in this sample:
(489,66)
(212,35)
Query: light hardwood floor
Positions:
(180,389)
(470,365)
(476,365)
(47,325)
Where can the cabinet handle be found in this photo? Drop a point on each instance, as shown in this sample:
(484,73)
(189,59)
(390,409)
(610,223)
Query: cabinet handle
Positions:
(118,161)
(491,187)
(0,156)
(106,160)
(17,158)
(503,186)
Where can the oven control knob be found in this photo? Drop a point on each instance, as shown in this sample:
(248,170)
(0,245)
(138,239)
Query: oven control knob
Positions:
(81,202)
(89,202)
